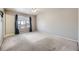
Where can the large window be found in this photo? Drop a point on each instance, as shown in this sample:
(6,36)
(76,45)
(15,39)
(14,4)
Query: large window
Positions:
(23,22)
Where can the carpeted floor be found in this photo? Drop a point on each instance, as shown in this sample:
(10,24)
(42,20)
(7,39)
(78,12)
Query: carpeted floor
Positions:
(37,41)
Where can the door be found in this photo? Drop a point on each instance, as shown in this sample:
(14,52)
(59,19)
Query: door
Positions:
(0,30)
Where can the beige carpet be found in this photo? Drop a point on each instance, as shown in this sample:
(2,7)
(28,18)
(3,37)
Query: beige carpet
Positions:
(37,41)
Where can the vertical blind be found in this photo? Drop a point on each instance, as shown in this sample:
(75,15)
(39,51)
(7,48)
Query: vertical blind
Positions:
(23,22)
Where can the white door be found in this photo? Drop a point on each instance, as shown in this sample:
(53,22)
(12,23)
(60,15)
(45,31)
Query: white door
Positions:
(0,30)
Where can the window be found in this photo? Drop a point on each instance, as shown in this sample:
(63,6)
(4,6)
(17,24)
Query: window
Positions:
(23,22)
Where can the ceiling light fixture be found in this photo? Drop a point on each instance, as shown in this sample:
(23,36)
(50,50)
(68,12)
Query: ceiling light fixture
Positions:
(34,10)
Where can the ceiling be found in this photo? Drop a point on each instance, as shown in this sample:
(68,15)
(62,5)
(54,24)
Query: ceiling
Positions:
(25,10)
(34,11)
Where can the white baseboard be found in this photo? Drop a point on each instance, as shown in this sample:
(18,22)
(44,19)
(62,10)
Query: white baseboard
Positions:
(7,35)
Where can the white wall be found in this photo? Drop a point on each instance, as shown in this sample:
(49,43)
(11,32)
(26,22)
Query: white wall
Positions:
(59,21)
(10,27)
(1,24)
(33,23)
